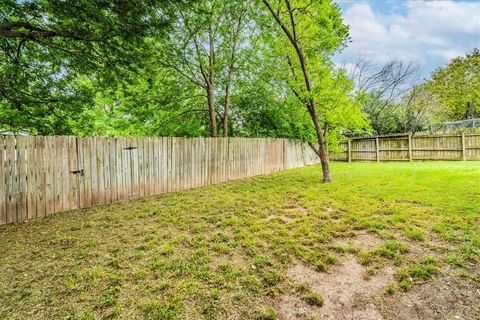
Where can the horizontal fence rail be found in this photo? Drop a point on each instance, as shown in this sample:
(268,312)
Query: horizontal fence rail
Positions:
(463,146)
(44,175)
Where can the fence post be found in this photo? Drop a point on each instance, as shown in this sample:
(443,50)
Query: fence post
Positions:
(377,148)
(349,150)
(464,154)
(410,147)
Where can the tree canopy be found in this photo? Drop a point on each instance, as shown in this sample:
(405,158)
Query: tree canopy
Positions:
(188,68)
(207,68)
(457,87)
(53,51)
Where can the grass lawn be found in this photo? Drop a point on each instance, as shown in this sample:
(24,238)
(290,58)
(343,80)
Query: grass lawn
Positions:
(258,248)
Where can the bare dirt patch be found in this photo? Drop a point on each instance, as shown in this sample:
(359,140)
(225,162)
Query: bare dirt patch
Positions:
(346,290)
(446,297)
(362,240)
(297,210)
(284,219)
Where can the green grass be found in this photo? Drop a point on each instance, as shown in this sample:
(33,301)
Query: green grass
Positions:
(225,249)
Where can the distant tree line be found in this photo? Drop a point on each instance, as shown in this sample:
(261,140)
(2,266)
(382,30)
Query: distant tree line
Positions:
(396,100)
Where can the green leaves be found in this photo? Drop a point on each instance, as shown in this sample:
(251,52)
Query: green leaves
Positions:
(46,46)
(458,87)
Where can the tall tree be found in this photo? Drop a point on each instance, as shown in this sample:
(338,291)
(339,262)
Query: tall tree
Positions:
(204,50)
(458,87)
(314,30)
(237,19)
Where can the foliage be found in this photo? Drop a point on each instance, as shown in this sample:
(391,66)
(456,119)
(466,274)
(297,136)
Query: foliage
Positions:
(319,32)
(418,108)
(458,87)
(50,46)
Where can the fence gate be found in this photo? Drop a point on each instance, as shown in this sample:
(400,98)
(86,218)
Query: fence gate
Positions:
(109,170)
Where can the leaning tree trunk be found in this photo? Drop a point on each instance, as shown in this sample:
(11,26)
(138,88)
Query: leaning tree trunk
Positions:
(321,151)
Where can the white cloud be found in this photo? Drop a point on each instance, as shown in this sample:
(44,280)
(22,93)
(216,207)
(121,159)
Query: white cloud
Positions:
(431,32)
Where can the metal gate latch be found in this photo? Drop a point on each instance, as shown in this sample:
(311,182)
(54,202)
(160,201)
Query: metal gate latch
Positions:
(78,172)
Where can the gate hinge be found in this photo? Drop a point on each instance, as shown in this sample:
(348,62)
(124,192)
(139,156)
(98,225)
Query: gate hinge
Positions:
(130,148)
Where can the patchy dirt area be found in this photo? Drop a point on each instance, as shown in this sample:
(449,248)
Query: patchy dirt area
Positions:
(346,289)
(446,297)
(362,240)
(350,292)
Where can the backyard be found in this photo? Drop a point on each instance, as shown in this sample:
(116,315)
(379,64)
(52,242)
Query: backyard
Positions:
(383,241)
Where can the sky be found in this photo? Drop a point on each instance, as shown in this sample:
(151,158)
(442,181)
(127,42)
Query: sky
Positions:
(427,32)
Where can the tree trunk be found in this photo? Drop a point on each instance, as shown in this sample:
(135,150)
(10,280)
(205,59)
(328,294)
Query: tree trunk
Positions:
(225,110)
(231,68)
(211,110)
(211,85)
(322,146)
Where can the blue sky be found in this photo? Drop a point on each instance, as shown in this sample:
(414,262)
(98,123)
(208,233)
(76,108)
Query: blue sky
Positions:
(428,32)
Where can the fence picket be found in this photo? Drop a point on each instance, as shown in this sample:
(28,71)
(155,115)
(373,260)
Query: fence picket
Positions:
(31,178)
(3,176)
(21,176)
(10,169)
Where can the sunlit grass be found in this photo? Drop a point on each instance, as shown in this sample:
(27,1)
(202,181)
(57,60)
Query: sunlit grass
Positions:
(224,249)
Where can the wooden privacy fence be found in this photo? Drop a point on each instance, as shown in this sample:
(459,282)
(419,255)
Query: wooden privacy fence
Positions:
(43,175)
(411,147)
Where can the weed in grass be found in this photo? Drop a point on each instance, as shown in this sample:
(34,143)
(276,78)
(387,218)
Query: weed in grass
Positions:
(95,274)
(71,284)
(343,249)
(88,315)
(167,249)
(470,251)
(114,288)
(167,309)
(454,260)
(91,243)
(365,258)
(320,266)
(141,274)
(271,314)
(405,284)
(463,274)
(210,303)
(391,288)
(260,261)
(271,278)
(310,297)
(390,251)
(313,299)
(414,234)
(330,259)
(425,269)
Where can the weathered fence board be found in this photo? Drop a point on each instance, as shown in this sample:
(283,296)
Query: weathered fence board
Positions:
(464,146)
(43,175)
